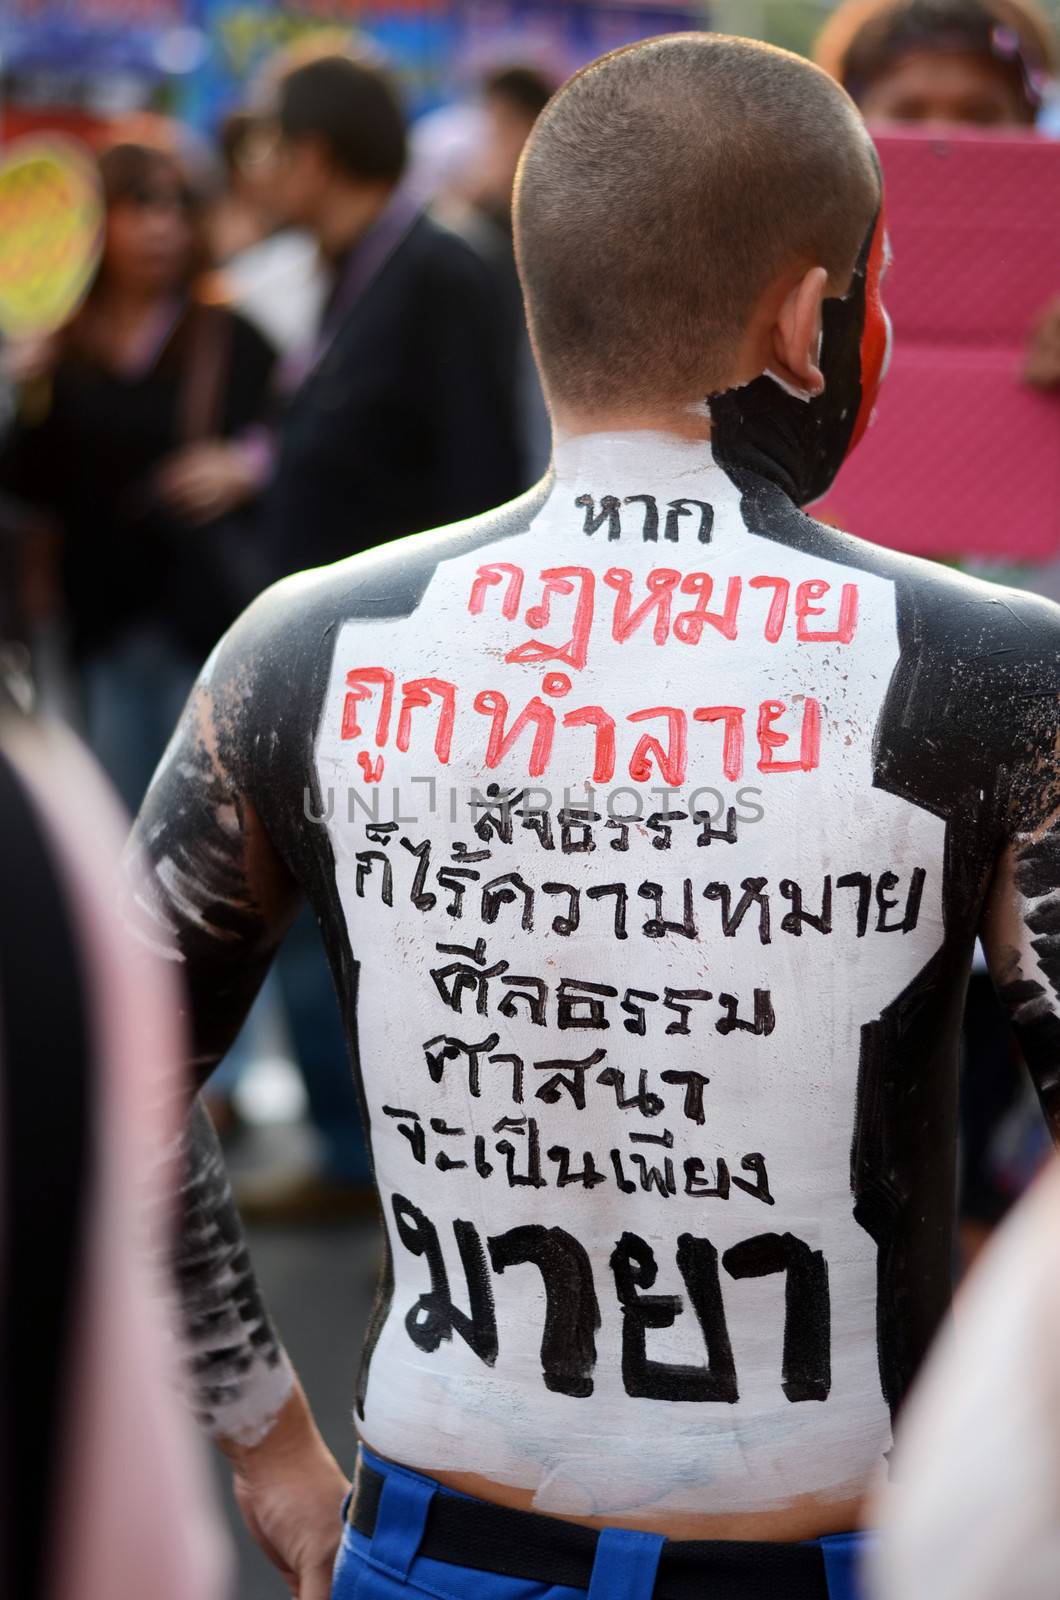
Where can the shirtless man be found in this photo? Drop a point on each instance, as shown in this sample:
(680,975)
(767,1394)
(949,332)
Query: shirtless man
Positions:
(650,825)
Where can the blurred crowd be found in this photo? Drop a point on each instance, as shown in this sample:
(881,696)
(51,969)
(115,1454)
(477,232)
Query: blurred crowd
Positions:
(307,340)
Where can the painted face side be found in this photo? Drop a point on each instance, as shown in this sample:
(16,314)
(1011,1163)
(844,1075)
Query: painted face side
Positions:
(876,335)
(802,443)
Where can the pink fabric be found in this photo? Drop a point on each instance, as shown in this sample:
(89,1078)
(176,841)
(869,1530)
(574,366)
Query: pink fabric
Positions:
(135,1519)
(963,458)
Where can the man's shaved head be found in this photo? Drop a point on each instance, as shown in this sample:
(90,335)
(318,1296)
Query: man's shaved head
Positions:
(664,189)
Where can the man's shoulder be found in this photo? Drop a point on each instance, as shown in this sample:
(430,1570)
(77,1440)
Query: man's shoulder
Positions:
(976,678)
(956,624)
(947,608)
(387,581)
(975,684)
(267,679)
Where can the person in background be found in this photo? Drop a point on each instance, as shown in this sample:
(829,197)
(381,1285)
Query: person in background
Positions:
(973,1512)
(513,98)
(138,432)
(272,274)
(972,63)
(975,64)
(402,416)
(113,1496)
(463,163)
(239,212)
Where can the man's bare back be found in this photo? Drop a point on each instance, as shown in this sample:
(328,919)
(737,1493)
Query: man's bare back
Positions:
(649,825)
(660,1115)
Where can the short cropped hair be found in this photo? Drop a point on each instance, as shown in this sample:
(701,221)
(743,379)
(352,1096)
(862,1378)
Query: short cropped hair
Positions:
(352,107)
(663,190)
(864,37)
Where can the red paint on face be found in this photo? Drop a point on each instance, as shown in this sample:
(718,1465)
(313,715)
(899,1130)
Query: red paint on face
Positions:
(875,333)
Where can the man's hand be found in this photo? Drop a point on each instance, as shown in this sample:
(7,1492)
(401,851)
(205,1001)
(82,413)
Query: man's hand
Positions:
(290,1490)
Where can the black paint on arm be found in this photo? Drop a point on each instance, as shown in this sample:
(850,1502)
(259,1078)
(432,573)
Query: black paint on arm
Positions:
(1021,926)
(239,1373)
(207,891)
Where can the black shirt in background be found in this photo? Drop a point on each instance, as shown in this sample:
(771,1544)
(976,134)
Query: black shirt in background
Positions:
(89,459)
(408,419)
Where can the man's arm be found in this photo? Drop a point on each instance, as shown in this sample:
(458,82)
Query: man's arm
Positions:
(208,891)
(1021,925)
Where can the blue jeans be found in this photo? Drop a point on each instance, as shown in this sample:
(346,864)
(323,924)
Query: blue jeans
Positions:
(387,1566)
(134,692)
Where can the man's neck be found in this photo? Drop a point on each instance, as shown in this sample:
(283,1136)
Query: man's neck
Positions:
(655,446)
(648,488)
(745,428)
(649,452)
(681,421)
(349,213)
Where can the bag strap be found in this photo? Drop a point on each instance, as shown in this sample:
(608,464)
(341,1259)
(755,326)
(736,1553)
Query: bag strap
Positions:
(201,400)
(46,1166)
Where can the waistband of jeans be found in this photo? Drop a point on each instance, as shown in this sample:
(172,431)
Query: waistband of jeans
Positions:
(468,1532)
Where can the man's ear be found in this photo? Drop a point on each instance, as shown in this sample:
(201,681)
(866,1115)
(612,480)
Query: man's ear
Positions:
(796,336)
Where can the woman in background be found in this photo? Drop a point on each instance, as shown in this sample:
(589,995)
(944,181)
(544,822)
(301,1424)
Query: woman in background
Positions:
(139,431)
(977,63)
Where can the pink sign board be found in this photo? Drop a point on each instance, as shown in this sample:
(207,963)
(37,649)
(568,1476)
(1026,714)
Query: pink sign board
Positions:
(962,457)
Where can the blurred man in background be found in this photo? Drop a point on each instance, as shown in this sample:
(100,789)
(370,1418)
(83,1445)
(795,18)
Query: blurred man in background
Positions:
(273,274)
(464,159)
(402,415)
(513,98)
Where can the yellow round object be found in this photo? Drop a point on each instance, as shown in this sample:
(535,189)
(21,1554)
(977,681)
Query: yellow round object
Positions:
(51,224)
